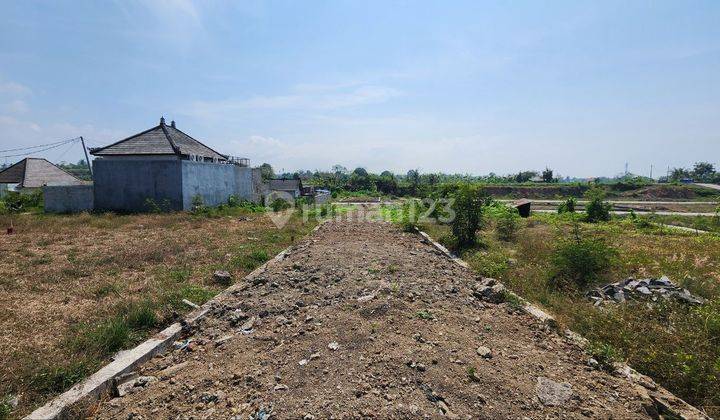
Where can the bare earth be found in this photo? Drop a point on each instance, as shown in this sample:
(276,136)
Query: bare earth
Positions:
(407,329)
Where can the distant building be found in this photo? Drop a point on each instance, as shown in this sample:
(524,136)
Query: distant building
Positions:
(290,186)
(163,167)
(33,173)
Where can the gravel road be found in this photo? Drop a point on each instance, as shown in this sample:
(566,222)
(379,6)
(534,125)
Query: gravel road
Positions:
(361,320)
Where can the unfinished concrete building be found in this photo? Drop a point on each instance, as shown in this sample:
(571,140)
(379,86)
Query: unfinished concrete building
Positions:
(165,167)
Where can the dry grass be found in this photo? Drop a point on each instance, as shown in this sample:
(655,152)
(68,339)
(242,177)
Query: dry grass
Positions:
(75,288)
(677,345)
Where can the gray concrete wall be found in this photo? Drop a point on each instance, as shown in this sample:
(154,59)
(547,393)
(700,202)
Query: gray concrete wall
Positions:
(127,185)
(68,198)
(212,181)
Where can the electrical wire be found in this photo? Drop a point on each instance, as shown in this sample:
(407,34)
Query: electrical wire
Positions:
(39,150)
(40,145)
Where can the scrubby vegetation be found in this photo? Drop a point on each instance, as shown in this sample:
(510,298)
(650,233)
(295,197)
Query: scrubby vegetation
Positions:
(561,256)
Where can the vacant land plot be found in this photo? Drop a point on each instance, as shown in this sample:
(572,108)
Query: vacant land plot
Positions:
(659,192)
(362,320)
(75,289)
(677,344)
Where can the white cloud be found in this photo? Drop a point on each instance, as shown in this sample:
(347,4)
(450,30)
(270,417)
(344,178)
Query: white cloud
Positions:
(303,97)
(18,106)
(14,89)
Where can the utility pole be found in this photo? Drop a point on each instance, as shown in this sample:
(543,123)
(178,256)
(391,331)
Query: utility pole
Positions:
(87,159)
(651,168)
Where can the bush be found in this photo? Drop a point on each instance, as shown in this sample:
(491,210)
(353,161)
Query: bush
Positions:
(410,213)
(468,215)
(567,206)
(580,262)
(16,202)
(507,223)
(279,204)
(197,204)
(597,210)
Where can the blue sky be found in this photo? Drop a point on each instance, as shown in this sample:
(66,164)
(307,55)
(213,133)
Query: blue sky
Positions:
(461,86)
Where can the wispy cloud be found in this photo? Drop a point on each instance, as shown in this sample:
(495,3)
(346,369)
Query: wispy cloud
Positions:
(17,106)
(174,23)
(14,89)
(301,97)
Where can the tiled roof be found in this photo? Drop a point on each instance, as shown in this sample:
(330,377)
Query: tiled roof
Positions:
(35,173)
(285,184)
(160,140)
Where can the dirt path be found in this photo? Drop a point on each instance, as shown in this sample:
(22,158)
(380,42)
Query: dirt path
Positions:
(361,320)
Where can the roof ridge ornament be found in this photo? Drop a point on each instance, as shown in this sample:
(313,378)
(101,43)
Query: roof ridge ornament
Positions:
(162,120)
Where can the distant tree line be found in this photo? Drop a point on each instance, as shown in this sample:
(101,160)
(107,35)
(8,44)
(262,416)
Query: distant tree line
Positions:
(411,183)
(79,169)
(701,172)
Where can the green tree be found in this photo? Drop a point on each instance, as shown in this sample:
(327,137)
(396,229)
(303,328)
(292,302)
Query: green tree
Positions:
(468,214)
(703,171)
(547,175)
(266,171)
(597,210)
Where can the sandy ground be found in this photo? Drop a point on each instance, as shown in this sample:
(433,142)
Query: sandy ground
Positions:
(361,320)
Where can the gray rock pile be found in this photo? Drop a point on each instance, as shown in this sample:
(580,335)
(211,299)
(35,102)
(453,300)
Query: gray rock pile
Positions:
(642,289)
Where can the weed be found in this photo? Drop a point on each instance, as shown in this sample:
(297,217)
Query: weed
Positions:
(513,301)
(567,206)
(140,316)
(180,275)
(425,314)
(5,409)
(41,260)
(197,204)
(250,261)
(605,354)
(106,290)
(54,379)
(279,204)
(192,292)
(506,224)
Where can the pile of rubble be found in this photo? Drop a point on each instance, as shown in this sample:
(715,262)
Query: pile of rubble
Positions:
(642,289)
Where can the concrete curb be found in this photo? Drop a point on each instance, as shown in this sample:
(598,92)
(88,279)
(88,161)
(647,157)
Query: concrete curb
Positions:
(126,361)
(663,400)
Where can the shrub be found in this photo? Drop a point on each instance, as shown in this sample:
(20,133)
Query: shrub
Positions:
(597,210)
(567,206)
(153,206)
(233,201)
(580,262)
(16,202)
(410,213)
(279,204)
(197,204)
(507,223)
(468,215)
